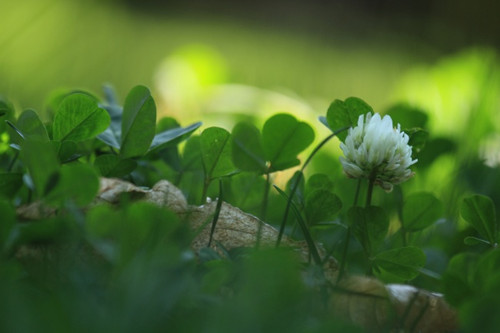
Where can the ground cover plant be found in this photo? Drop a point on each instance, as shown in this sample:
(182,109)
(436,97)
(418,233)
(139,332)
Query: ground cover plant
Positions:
(73,263)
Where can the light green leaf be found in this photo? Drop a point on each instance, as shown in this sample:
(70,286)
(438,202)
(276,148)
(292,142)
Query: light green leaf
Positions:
(79,118)
(403,262)
(420,211)
(247,151)
(216,152)
(479,211)
(41,160)
(138,122)
(283,138)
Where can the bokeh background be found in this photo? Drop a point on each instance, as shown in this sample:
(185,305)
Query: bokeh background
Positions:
(219,61)
(297,52)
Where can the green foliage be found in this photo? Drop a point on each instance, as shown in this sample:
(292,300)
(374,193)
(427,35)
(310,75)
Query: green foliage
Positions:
(321,206)
(369,225)
(342,114)
(401,264)
(76,183)
(138,122)
(283,137)
(41,161)
(420,210)
(248,153)
(479,211)
(138,270)
(78,118)
(216,153)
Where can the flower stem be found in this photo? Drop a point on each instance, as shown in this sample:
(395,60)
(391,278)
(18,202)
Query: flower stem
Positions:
(263,211)
(371,182)
(348,237)
(299,178)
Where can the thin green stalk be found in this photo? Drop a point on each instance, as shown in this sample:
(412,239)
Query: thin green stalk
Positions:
(348,237)
(307,235)
(265,200)
(216,214)
(14,159)
(299,178)
(263,211)
(206,183)
(371,183)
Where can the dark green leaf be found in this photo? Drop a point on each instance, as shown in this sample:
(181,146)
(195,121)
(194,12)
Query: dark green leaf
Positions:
(321,206)
(458,280)
(45,230)
(216,152)
(403,263)
(138,122)
(68,151)
(408,116)
(435,148)
(79,118)
(307,235)
(418,139)
(420,211)
(487,271)
(172,136)
(342,114)
(31,126)
(8,214)
(369,225)
(110,165)
(283,138)
(191,156)
(479,211)
(247,151)
(297,182)
(41,160)
(10,184)
(77,183)
(319,181)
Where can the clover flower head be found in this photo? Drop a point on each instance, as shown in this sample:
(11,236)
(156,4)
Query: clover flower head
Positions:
(375,150)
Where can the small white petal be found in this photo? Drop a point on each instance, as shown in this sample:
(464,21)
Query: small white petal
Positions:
(376,146)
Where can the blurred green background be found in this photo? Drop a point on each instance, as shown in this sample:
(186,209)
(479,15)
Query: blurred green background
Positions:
(218,61)
(309,52)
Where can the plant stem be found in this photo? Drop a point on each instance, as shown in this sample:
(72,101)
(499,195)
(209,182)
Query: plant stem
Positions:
(206,183)
(348,237)
(14,159)
(371,182)
(299,178)
(263,211)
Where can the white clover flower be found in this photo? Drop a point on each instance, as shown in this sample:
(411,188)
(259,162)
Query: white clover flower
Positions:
(376,150)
